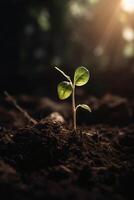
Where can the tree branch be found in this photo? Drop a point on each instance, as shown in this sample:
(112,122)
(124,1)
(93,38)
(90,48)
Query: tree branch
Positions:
(25,113)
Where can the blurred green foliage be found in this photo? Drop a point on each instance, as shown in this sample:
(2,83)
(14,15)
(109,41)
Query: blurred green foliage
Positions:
(77,32)
(39,34)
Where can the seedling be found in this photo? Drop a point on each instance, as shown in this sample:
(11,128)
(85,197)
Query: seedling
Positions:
(67,88)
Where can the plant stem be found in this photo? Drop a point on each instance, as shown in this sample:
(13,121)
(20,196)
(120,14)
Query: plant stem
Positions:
(73,108)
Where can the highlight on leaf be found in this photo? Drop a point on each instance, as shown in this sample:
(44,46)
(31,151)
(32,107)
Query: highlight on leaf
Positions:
(64,90)
(84,106)
(81,76)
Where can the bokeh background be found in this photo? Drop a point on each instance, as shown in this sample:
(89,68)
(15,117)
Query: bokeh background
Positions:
(36,35)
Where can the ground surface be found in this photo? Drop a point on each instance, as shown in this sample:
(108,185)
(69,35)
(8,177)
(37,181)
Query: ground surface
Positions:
(49,161)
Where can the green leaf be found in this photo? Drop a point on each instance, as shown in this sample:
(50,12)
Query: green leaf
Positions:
(84,106)
(81,76)
(64,90)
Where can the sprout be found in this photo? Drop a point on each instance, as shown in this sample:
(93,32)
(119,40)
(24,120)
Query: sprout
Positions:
(67,88)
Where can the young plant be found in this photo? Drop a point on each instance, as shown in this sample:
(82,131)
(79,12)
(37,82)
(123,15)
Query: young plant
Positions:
(67,88)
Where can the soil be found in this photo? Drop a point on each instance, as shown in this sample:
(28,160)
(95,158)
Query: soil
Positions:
(49,161)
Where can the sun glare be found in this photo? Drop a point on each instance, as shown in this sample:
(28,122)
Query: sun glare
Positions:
(128,5)
(128,34)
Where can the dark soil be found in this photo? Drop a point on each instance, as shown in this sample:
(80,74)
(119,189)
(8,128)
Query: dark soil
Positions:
(49,161)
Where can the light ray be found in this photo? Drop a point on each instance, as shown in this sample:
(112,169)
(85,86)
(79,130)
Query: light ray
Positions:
(128,5)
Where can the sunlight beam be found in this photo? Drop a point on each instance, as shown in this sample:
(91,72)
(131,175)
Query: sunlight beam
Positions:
(128,5)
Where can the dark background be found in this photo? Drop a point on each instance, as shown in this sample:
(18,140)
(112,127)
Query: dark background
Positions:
(36,35)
